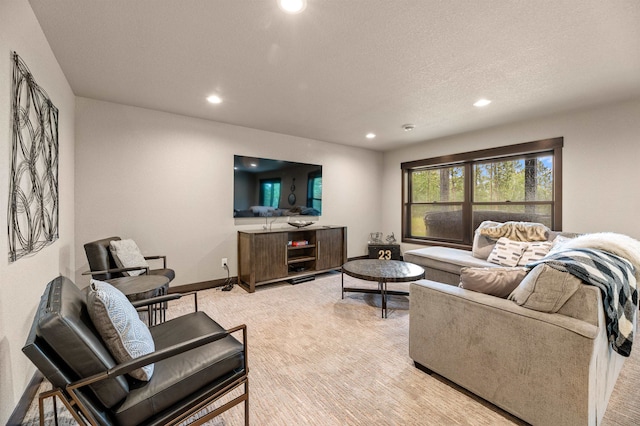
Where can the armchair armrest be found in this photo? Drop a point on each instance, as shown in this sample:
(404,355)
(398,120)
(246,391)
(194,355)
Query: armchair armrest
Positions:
(165,298)
(127,367)
(164,259)
(154,300)
(107,271)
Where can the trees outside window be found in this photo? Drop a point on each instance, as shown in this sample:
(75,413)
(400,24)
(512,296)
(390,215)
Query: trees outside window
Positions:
(446,198)
(314,190)
(270,193)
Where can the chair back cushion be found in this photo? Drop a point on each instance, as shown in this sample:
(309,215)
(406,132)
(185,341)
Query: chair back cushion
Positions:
(69,346)
(100,258)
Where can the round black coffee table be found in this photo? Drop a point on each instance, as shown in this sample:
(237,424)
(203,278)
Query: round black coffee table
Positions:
(382,271)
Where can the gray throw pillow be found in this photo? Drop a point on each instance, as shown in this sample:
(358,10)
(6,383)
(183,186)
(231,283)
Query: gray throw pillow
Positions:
(126,254)
(117,322)
(499,282)
(545,289)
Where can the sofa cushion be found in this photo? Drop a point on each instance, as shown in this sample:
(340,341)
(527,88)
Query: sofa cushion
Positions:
(535,250)
(558,243)
(545,289)
(499,282)
(126,254)
(507,252)
(444,258)
(117,321)
(482,244)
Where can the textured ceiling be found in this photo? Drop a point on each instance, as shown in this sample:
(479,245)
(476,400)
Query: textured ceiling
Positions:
(344,68)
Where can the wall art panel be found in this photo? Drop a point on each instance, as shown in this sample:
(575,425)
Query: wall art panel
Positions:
(33,180)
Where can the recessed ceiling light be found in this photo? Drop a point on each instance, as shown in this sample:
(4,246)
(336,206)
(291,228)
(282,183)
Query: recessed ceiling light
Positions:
(482,102)
(214,99)
(292,6)
(371,135)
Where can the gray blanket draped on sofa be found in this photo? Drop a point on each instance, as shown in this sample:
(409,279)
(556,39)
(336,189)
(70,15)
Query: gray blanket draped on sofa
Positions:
(614,276)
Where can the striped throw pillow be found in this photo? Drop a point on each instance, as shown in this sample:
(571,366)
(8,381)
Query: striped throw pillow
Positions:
(535,251)
(507,252)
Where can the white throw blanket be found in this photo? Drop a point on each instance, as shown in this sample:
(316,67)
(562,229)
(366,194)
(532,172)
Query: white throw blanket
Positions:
(618,244)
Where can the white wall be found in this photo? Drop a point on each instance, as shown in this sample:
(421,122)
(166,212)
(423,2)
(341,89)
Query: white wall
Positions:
(166,181)
(22,282)
(600,165)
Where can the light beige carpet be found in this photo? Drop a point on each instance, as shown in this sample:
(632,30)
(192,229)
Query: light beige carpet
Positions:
(316,359)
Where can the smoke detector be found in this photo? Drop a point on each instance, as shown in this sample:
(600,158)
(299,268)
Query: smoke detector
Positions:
(408,127)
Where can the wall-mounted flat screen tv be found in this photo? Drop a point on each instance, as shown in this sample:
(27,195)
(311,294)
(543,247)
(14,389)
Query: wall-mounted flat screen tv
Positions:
(264,187)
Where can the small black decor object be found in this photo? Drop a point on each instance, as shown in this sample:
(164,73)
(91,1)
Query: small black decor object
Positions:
(292,196)
(33,181)
(300,223)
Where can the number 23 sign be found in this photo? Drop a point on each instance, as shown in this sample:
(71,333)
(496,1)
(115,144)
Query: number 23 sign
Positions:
(384,254)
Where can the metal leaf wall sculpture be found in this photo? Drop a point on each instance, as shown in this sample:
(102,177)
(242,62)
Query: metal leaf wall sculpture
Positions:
(33,182)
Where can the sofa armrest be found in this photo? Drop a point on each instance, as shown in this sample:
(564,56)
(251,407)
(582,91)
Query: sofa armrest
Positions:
(519,359)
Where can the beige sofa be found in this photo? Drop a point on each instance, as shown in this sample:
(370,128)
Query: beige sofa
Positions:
(544,368)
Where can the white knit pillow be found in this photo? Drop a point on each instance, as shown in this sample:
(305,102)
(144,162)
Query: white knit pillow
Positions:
(127,255)
(507,252)
(117,322)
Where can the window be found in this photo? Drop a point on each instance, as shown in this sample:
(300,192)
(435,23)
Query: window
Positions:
(314,190)
(446,198)
(270,192)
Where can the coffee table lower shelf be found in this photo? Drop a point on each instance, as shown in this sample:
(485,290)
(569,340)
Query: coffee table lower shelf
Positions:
(382,272)
(381,290)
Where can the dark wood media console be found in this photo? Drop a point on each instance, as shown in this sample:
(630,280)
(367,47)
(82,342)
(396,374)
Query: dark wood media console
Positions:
(270,256)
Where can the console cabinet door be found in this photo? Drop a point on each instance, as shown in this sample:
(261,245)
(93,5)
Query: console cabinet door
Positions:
(270,251)
(330,248)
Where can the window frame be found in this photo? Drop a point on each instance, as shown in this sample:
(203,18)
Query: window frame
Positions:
(553,146)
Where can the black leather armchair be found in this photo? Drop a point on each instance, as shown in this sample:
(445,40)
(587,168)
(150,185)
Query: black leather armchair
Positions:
(103,266)
(196,363)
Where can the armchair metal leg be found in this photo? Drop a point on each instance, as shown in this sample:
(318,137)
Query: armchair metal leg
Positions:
(57,393)
(246,403)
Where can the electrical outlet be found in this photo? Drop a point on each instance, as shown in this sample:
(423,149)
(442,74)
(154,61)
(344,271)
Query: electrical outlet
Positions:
(224,262)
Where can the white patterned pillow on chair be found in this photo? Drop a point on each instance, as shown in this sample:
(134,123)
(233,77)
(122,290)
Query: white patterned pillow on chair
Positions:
(127,255)
(117,322)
